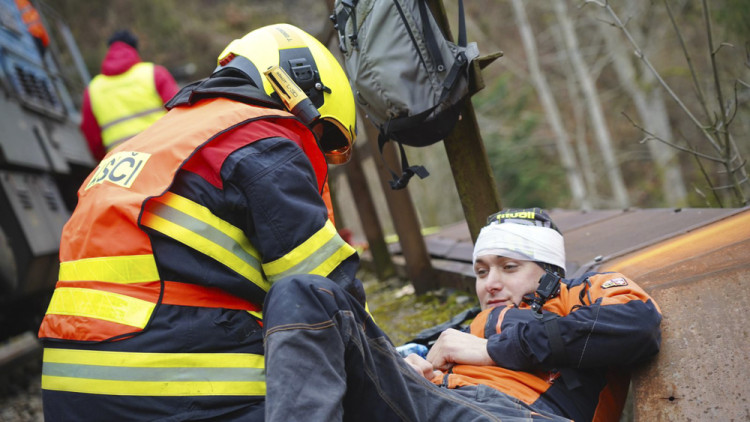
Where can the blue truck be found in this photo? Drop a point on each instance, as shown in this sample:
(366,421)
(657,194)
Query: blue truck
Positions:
(43,160)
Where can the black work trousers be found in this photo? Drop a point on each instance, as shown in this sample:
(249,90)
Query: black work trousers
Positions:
(326,360)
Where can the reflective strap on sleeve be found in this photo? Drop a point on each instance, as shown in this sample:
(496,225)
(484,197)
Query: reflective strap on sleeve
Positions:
(196,227)
(319,255)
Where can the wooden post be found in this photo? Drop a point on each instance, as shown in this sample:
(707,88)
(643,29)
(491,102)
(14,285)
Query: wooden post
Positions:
(466,153)
(471,172)
(381,258)
(418,266)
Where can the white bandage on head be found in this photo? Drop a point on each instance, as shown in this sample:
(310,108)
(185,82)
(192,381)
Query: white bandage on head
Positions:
(519,241)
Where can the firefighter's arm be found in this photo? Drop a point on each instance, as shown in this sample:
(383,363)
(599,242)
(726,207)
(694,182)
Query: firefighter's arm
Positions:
(289,220)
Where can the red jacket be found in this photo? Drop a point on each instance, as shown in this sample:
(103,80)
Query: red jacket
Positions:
(120,57)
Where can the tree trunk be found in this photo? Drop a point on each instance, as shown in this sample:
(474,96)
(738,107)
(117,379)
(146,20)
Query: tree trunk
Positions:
(649,102)
(562,140)
(581,140)
(598,121)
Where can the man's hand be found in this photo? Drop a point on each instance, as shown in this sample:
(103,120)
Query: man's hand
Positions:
(421,366)
(456,347)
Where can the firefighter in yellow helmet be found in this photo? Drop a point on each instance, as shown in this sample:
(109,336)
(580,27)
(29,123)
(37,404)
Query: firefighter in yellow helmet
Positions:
(180,232)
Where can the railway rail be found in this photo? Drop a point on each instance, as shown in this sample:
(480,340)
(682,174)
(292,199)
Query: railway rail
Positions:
(20,379)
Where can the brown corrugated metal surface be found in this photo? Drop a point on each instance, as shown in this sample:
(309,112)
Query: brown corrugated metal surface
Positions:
(609,234)
(568,220)
(690,247)
(590,234)
(701,281)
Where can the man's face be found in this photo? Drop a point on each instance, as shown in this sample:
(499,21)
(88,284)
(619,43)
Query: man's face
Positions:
(503,281)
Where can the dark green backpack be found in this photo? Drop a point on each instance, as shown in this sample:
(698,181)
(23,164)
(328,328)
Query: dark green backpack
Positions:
(409,79)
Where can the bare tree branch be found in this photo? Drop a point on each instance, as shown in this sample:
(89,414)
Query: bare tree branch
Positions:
(716,133)
(640,55)
(655,137)
(721,127)
(710,183)
(688,58)
(717,83)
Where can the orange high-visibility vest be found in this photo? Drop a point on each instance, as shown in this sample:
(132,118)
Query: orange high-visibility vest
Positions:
(109,284)
(33,21)
(125,104)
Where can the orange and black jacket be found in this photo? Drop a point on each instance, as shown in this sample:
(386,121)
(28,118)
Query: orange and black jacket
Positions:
(234,212)
(166,261)
(573,358)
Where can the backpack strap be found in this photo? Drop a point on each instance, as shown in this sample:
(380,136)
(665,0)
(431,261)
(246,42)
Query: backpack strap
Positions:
(407,171)
(461,59)
(461,24)
(429,36)
(557,348)
(339,22)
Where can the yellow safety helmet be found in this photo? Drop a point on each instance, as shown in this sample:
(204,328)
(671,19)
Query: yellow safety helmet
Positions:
(313,68)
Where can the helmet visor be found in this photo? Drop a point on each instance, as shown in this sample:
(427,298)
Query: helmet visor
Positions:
(334,143)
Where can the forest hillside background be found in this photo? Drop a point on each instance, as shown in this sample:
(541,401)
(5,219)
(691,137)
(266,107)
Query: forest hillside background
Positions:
(594,105)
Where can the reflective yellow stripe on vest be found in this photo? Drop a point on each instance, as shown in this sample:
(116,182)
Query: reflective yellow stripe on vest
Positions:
(102,305)
(106,306)
(112,269)
(195,226)
(153,374)
(319,255)
(125,104)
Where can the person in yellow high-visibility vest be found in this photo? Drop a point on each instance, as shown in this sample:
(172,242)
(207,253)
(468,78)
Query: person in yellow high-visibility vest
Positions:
(125,98)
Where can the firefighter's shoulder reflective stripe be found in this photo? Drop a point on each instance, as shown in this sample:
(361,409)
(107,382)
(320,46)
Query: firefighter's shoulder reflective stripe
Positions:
(319,255)
(153,374)
(197,227)
(107,306)
(112,269)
